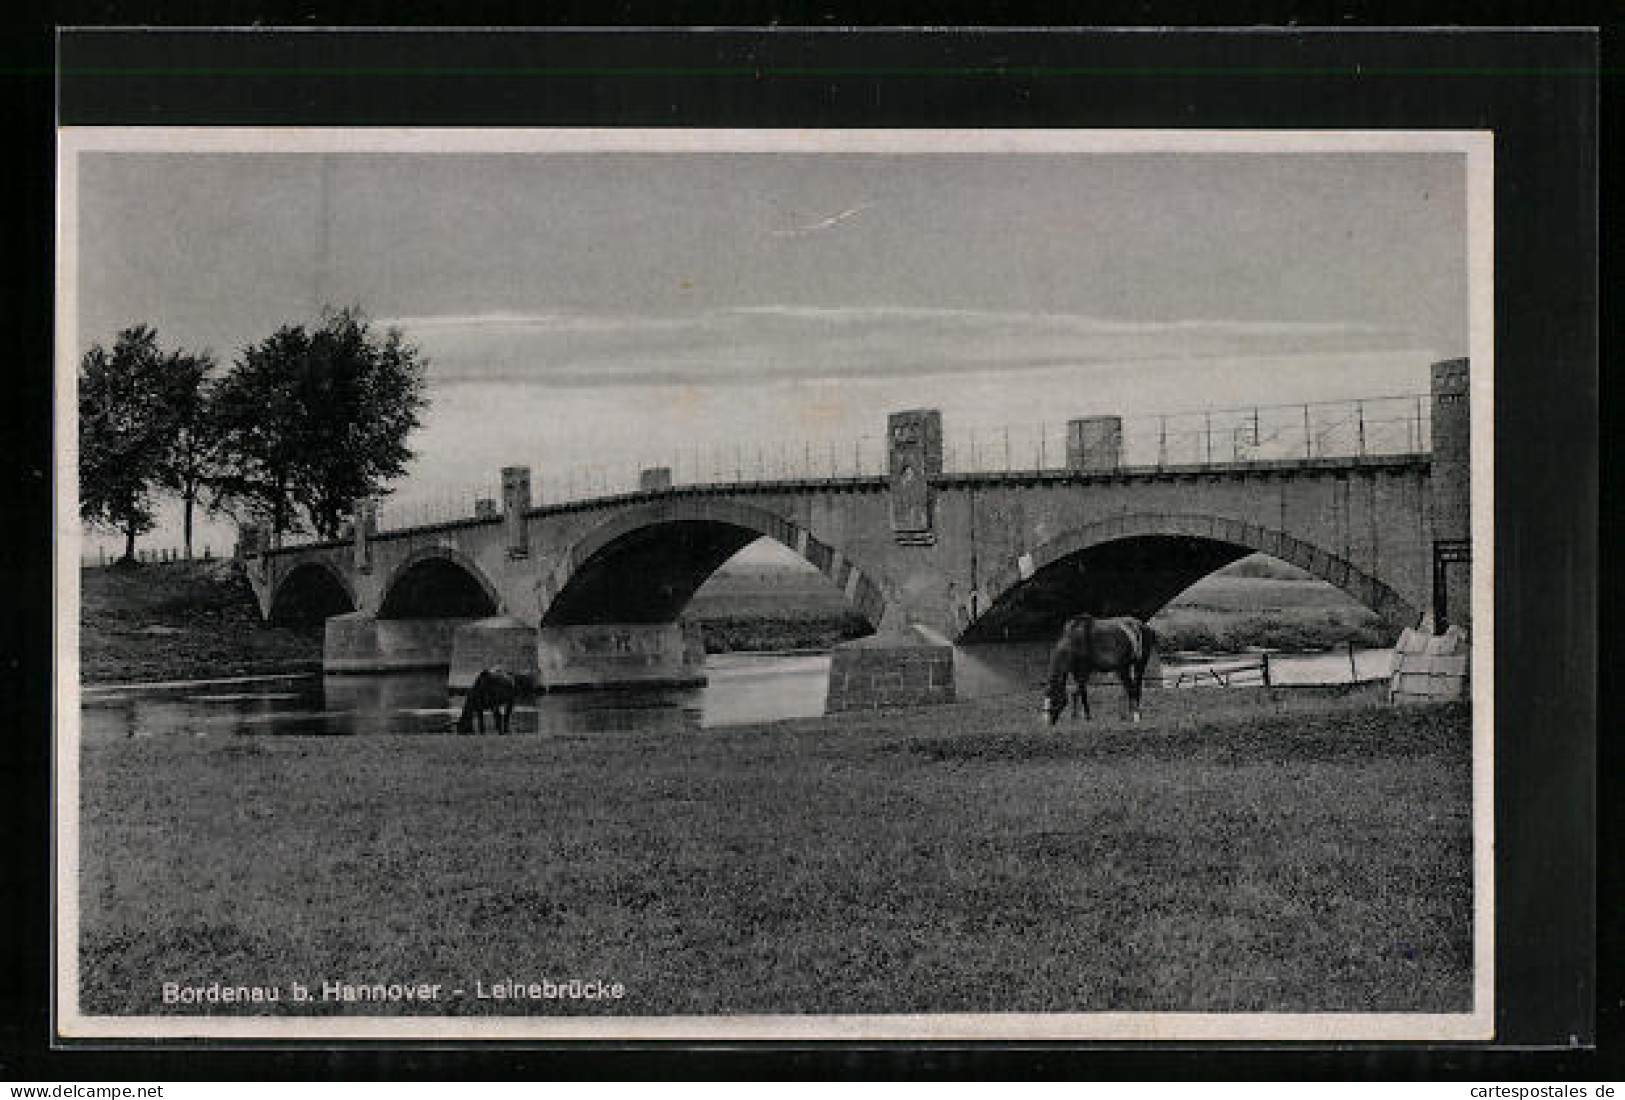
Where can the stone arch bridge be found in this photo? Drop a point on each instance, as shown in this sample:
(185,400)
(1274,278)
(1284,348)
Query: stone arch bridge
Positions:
(591,593)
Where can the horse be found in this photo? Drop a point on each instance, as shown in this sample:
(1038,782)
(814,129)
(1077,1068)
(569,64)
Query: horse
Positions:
(492,690)
(1088,645)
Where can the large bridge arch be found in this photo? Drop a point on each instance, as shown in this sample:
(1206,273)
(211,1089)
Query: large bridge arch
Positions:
(644,564)
(438,582)
(1136,563)
(309,593)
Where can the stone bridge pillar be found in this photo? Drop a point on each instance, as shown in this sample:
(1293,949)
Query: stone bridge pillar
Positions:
(1094,443)
(515,503)
(902,665)
(366,526)
(253,542)
(914,457)
(1451,481)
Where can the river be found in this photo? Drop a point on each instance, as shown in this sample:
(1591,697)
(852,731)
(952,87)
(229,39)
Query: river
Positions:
(744,688)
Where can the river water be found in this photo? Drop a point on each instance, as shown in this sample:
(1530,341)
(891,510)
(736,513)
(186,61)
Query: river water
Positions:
(743,688)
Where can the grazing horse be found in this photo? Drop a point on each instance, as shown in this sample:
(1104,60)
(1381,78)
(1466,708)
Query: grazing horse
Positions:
(1089,645)
(493,690)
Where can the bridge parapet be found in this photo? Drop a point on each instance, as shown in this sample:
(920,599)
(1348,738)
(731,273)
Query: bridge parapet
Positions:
(1362,428)
(1219,439)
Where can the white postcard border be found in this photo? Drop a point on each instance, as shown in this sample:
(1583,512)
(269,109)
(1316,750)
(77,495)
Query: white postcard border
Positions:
(1477,148)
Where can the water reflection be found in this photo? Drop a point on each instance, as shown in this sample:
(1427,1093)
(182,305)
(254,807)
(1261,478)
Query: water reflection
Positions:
(743,688)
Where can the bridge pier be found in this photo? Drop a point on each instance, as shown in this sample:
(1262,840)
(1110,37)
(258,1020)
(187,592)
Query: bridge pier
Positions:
(602,655)
(361,642)
(498,642)
(900,668)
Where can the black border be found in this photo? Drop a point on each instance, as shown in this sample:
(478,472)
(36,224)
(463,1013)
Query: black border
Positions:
(1538,91)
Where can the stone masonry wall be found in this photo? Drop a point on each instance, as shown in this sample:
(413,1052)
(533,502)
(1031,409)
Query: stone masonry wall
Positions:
(1431,668)
(889,671)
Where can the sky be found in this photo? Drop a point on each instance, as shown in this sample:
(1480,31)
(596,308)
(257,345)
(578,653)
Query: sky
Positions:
(595,310)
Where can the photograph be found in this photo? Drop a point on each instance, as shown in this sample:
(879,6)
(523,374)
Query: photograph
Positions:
(795,584)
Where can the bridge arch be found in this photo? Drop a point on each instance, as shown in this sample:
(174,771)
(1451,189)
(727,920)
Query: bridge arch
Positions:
(646,563)
(310,592)
(1134,564)
(438,582)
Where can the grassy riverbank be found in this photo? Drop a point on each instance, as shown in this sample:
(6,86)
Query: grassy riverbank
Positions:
(1304,850)
(182,620)
(1282,609)
(766,608)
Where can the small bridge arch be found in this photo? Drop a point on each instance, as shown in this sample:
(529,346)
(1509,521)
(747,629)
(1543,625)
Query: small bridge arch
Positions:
(1134,564)
(438,582)
(645,564)
(309,593)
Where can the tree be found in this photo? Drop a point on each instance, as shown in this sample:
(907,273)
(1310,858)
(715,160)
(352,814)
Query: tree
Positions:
(258,420)
(125,432)
(315,420)
(188,466)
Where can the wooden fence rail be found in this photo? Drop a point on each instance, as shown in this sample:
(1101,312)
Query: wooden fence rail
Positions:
(101,558)
(1255,672)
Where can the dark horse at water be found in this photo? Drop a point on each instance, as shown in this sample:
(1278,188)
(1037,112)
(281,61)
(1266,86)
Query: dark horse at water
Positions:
(492,690)
(1088,645)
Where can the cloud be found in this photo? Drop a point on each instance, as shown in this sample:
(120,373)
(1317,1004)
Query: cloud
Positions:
(788,342)
(824,223)
(554,321)
(1082,323)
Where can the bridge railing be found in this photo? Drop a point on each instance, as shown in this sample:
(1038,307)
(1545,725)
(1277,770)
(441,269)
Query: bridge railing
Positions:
(408,510)
(1330,429)
(1255,433)
(758,461)
(763,460)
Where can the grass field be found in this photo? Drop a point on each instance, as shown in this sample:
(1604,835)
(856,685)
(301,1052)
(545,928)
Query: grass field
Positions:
(1226,612)
(1305,850)
(766,608)
(756,592)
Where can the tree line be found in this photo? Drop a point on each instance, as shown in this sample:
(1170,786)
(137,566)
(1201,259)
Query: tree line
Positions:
(299,427)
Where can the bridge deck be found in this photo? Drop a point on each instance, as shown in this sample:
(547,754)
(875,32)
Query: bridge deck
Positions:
(878,483)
